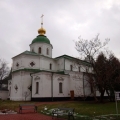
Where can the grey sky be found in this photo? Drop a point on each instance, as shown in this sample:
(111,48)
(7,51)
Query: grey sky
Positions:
(64,21)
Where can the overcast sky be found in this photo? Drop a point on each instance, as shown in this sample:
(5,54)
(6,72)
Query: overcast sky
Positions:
(64,21)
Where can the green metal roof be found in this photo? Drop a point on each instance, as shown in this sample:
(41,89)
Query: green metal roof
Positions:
(27,70)
(38,70)
(41,38)
(32,53)
(73,58)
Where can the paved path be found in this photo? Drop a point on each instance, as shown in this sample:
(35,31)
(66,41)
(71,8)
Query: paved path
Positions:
(29,115)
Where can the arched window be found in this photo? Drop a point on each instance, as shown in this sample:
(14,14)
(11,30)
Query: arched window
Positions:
(60,88)
(50,66)
(71,67)
(39,50)
(47,51)
(37,87)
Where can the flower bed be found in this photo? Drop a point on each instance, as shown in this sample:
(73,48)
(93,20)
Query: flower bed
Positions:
(7,111)
(78,116)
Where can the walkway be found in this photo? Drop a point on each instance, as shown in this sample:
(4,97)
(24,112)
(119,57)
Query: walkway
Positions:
(29,115)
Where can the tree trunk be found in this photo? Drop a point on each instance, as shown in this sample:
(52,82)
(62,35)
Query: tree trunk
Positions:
(102,95)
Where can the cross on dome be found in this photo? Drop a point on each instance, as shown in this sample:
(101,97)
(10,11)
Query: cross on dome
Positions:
(41,31)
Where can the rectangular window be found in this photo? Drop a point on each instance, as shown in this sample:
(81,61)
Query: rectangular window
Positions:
(39,50)
(79,69)
(71,67)
(37,87)
(60,88)
(47,51)
(50,66)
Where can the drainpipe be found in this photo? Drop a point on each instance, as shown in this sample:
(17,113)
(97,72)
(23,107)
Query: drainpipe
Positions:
(64,63)
(31,84)
(83,85)
(52,86)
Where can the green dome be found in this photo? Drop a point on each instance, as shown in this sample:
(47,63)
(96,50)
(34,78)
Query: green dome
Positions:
(41,38)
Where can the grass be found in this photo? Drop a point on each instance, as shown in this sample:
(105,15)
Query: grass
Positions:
(83,108)
(86,108)
(12,105)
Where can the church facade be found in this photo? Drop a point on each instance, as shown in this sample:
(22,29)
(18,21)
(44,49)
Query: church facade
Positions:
(38,76)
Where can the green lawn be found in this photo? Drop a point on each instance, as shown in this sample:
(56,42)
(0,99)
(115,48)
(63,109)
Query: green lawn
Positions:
(83,108)
(13,105)
(86,108)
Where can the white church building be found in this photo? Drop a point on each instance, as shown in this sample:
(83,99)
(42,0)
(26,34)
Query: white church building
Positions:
(38,76)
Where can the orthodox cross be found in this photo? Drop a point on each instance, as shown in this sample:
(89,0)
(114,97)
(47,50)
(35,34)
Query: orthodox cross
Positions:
(32,64)
(42,20)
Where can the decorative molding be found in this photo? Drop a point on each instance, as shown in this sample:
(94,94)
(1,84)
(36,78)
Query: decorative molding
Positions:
(32,64)
(60,79)
(37,78)
(16,87)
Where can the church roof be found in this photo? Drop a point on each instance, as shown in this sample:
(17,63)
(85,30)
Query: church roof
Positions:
(27,70)
(32,53)
(73,58)
(41,39)
(38,70)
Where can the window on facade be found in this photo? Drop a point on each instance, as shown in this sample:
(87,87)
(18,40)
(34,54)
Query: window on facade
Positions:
(39,50)
(47,51)
(60,88)
(79,69)
(87,69)
(32,64)
(37,87)
(17,64)
(71,67)
(50,66)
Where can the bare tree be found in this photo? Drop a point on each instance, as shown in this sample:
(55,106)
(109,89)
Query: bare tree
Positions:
(4,70)
(88,51)
(26,94)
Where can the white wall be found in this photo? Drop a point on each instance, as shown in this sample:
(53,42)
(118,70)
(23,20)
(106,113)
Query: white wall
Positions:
(41,62)
(45,64)
(43,46)
(64,79)
(60,64)
(3,94)
(44,84)
(22,80)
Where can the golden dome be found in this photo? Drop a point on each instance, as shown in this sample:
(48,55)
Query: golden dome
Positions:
(41,31)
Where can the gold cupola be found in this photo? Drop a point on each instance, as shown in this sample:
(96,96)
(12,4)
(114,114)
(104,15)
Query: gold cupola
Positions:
(41,31)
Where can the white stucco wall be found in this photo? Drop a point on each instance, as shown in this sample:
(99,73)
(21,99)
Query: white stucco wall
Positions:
(44,85)
(3,94)
(49,82)
(64,79)
(45,64)
(41,62)
(60,64)
(43,46)
(22,80)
